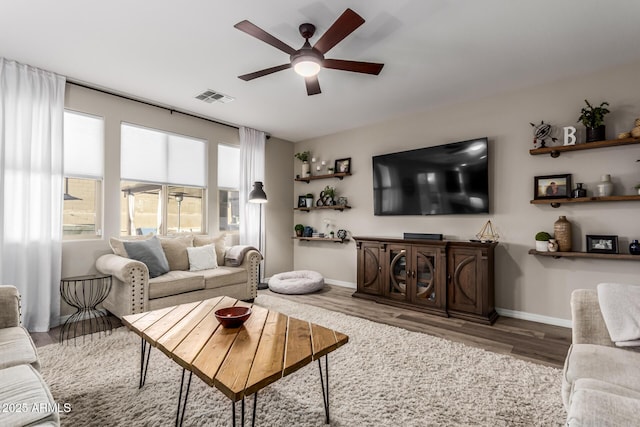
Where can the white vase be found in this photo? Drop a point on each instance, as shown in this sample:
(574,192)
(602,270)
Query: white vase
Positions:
(309,202)
(605,188)
(542,245)
(305,170)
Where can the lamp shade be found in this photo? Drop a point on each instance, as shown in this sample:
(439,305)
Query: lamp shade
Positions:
(257,195)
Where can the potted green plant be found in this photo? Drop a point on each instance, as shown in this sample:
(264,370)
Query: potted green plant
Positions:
(309,200)
(303,156)
(542,240)
(637,187)
(331,193)
(298,229)
(593,119)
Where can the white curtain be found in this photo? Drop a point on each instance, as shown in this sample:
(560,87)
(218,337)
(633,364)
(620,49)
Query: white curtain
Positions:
(31,124)
(252,144)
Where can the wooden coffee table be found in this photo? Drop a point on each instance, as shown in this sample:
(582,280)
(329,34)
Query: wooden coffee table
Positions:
(237,361)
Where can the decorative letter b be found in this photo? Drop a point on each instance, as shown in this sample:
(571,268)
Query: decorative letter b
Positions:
(569,135)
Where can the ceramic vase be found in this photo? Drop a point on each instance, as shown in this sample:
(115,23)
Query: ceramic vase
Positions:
(605,188)
(306,171)
(579,191)
(562,234)
(542,245)
(634,247)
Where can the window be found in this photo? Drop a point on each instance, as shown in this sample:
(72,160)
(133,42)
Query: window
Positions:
(83,174)
(228,187)
(163,182)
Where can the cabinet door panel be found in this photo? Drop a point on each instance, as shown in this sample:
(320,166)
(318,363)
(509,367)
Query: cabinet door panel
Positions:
(465,281)
(398,272)
(369,276)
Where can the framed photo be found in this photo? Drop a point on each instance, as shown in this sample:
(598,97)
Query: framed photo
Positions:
(302,201)
(602,244)
(551,186)
(343,166)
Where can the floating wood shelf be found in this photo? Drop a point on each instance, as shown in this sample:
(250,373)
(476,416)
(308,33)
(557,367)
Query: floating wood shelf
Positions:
(338,175)
(555,203)
(334,207)
(555,151)
(585,255)
(320,239)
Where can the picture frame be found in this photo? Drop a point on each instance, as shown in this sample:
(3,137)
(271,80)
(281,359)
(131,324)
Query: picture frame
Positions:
(302,201)
(342,165)
(552,186)
(602,244)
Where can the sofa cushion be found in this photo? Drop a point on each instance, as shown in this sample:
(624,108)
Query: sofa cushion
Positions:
(150,253)
(609,364)
(174,283)
(223,276)
(218,241)
(202,258)
(17,348)
(117,244)
(23,387)
(175,249)
(597,403)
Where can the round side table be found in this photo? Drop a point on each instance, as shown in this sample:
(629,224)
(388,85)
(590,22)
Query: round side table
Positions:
(85,293)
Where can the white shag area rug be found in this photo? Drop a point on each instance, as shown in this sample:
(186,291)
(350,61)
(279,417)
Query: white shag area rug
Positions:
(384,376)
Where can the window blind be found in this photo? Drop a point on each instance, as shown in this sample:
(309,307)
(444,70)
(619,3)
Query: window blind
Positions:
(153,156)
(228,166)
(83,145)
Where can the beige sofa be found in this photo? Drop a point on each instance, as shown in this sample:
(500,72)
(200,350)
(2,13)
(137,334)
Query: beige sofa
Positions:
(24,396)
(601,382)
(134,291)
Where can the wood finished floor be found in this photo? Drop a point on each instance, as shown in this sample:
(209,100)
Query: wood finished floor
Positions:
(535,342)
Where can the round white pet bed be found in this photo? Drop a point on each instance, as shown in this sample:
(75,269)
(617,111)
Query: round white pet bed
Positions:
(296,282)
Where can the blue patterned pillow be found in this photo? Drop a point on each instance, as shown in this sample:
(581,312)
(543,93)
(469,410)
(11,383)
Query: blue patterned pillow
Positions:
(150,253)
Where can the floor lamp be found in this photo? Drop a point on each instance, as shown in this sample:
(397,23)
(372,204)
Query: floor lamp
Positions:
(258,195)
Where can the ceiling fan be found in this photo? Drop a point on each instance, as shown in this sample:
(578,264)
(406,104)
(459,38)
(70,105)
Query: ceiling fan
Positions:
(308,60)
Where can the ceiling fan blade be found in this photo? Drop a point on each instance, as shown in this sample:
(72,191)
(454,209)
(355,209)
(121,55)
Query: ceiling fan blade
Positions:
(354,66)
(260,34)
(344,25)
(266,71)
(313,85)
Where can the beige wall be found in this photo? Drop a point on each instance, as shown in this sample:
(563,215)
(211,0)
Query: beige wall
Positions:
(78,257)
(526,286)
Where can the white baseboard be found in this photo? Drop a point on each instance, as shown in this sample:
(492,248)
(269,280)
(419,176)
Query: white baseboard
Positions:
(501,311)
(534,317)
(349,285)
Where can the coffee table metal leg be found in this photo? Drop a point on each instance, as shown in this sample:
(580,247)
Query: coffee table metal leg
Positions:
(253,417)
(325,390)
(145,353)
(182,406)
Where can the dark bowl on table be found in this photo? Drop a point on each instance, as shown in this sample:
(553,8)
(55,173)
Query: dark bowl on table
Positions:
(232,317)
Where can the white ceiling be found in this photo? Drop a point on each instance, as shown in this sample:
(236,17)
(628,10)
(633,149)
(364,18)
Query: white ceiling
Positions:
(435,52)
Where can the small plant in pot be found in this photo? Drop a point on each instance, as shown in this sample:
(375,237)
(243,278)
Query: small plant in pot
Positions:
(637,187)
(593,119)
(542,240)
(299,228)
(309,200)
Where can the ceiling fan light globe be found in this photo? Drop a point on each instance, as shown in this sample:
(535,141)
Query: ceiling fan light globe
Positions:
(307,67)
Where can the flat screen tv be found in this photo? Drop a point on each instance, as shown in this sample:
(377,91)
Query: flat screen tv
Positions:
(444,179)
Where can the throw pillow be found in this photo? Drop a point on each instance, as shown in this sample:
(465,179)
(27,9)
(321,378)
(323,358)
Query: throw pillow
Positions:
(202,258)
(218,241)
(175,249)
(117,244)
(150,253)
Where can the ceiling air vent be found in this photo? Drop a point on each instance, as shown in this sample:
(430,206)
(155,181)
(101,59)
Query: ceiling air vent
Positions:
(210,96)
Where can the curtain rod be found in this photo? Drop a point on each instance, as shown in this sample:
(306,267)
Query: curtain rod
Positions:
(171,110)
